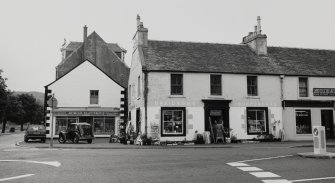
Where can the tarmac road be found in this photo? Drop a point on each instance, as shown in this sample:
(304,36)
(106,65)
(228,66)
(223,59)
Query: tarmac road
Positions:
(164,164)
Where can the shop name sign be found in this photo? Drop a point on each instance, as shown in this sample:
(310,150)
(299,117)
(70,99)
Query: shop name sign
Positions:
(324,91)
(90,113)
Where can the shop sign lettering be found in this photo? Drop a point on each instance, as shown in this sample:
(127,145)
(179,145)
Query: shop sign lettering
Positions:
(89,113)
(324,91)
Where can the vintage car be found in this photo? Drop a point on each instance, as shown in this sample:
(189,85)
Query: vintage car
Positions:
(77,132)
(35,132)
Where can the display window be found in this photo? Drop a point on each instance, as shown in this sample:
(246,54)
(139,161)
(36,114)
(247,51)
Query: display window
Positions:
(257,121)
(173,122)
(303,122)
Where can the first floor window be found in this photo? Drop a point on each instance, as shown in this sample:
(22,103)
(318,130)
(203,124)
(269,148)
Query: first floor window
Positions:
(176,84)
(216,85)
(303,87)
(173,121)
(94,97)
(252,86)
(257,121)
(303,121)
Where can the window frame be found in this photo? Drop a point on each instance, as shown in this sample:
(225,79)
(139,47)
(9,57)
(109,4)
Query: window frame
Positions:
(266,120)
(213,85)
(255,85)
(309,121)
(181,85)
(301,87)
(94,97)
(183,109)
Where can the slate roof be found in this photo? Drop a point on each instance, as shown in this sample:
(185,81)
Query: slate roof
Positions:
(97,51)
(236,58)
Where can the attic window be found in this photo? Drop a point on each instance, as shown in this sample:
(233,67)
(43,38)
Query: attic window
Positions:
(119,54)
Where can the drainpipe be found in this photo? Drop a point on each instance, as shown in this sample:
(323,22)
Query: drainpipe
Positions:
(146,90)
(282,87)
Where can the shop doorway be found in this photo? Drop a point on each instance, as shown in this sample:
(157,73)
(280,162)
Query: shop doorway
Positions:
(327,121)
(216,111)
(138,120)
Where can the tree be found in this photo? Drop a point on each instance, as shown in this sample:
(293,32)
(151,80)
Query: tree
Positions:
(14,110)
(32,110)
(3,100)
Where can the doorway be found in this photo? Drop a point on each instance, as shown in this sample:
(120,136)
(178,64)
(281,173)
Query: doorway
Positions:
(138,121)
(327,121)
(216,110)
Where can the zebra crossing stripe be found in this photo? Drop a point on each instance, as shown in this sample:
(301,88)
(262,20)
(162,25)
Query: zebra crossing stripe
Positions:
(237,164)
(249,169)
(277,181)
(264,174)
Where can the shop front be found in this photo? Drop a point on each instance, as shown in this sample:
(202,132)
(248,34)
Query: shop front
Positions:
(103,120)
(301,115)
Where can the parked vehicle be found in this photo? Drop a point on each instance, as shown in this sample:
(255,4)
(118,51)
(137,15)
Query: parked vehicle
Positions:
(35,132)
(77,132)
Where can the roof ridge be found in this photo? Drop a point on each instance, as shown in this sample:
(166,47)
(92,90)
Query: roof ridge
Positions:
(301,48)
(173,41)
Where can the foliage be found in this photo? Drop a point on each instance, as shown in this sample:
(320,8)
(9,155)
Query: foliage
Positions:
(3,100)
(146,140)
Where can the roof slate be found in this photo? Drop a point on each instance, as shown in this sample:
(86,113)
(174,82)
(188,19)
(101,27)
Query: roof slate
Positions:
(73,45)
(236,58)
(97,51)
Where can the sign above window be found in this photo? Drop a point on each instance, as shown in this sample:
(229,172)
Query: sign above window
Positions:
(324,91)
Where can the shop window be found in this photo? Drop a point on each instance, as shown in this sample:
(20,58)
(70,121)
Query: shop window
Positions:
(94,96)
(303,87)
(257,122)
(98,125)
(303,122)
(109,125)
(216,86)
(173,121)
(176,84)
(252,85)
(61,124)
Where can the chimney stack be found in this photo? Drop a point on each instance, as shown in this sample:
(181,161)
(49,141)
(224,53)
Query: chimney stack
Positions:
(256,40)
(141,35)
(85,33)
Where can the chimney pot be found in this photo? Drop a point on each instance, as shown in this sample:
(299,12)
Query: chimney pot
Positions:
(138,20)
(85,32)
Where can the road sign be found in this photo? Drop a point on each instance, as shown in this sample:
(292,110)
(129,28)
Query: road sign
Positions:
(52,102)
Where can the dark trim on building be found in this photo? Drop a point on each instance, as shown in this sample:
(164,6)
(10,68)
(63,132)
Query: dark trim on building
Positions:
(184,122)
(145,94)
(216,103)
(309,103)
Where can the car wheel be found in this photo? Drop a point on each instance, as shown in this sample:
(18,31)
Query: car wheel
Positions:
(26,139)
(89,141)
(43,140)
(61,139)
(76,139)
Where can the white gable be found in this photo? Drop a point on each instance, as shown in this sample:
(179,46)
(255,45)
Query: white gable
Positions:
(73,89)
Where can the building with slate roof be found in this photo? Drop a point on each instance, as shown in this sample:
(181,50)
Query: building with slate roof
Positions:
(90,86)
(178,89)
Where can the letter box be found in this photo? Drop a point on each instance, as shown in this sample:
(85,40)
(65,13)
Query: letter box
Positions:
(319,139)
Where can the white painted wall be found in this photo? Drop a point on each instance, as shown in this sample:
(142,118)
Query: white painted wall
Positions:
(73,90)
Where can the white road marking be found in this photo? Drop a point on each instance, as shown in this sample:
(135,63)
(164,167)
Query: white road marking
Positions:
(277,181)
(249,169)
(264,174)
(274,157)
(16,177)
(237,164)
(304,180)
(50,163)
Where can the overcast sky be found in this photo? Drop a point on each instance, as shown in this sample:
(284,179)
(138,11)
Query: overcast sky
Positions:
(33,31)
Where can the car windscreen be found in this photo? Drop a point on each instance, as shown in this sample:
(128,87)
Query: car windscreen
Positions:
(36,127)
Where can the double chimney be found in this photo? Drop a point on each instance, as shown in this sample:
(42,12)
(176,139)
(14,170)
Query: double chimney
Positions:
(256,40)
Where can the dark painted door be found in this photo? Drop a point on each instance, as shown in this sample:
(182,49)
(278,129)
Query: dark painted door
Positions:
(327,121)
(138,121)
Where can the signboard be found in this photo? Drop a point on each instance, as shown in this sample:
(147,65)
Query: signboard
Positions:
(52,102)
(90,113)
(324,91)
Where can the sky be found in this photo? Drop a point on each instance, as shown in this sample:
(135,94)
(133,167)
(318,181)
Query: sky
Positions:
(33,31)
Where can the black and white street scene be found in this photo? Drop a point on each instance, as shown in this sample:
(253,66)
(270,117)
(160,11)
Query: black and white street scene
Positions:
(156,91)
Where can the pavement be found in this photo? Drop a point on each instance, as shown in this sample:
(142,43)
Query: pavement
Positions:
(103,143)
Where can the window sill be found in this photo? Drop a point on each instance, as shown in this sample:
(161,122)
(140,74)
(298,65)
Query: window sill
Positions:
(216,96)
(176,96)
(304,98)
(253,97)
(94,105)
